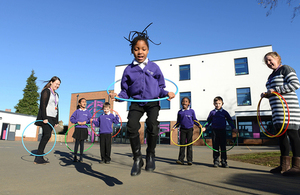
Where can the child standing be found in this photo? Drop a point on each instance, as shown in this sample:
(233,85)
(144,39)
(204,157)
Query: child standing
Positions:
(186,118)
(104,122)
(141,80)
(217,118)
(82,117)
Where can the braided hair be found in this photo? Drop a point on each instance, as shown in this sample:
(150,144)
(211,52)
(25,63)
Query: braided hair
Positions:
(135,36)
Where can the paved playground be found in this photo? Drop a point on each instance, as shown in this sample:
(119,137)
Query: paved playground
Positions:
(19,175)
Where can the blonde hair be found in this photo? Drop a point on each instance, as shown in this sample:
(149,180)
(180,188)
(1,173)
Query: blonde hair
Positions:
(273,54)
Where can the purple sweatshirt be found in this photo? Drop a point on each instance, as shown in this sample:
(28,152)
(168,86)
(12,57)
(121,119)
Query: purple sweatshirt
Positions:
(186,119)
(148,83)
(104,122)
(218,118)
(81,116)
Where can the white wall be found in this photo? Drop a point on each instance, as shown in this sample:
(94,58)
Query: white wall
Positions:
(212,75)
(23,120)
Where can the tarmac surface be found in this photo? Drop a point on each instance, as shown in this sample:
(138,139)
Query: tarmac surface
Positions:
(19,175)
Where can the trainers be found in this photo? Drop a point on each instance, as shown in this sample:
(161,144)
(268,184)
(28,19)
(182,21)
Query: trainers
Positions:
(101,161)
(107,162)
(216,164)
(180,162)
(190,163)
(225,165)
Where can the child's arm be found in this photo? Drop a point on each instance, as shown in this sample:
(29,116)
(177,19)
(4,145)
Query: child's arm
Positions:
(73,117)
(230,121)
(116,119)
(96,122)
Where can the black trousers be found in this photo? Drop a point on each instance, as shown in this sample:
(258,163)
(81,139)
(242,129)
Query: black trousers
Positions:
(290,137)
(105,147)
(219,141)
(186,136)
(136,112)
(46,135)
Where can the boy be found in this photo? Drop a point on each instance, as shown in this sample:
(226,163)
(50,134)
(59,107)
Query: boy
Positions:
(217,118)
(104,122)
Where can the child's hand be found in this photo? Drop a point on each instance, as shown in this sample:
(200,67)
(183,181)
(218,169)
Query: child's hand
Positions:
(91,121)
(203,129)
(112,96)
(171,95)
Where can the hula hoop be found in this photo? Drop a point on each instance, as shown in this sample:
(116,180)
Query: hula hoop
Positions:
(190,142)
(151,100)
(120,124)
(263,129)
(219,150)
(67,143)
(31,152)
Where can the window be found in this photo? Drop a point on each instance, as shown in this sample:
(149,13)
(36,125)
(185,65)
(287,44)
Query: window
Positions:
(165,104)
(184,71)
(18,127)
(185,94)
(243,97)
(241,66)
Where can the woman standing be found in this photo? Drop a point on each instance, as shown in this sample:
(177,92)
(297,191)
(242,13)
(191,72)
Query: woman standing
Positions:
(48,112)
(284,81)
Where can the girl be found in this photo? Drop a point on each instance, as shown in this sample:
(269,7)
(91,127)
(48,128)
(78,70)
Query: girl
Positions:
(284,80)
(186,118)
(142,79)
(48,112)
(82,117)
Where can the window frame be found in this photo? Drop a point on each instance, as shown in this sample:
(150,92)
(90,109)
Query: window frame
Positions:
(189,72)
(236,64)
(237,96)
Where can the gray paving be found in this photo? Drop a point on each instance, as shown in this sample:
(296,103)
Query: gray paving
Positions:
(19,175)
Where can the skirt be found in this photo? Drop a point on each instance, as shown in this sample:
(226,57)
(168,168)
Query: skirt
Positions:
(80,133)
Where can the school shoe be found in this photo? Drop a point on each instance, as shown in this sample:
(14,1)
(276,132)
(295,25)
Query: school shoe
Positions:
(190,163)
(284,165)
(75,159)
(180,162)
(101,161)
(107,162)
(80,159)
(295,170)
(138,162)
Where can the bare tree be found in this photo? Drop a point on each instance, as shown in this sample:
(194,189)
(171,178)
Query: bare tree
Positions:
(272,4)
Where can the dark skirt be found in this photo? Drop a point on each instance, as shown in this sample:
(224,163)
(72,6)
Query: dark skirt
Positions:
(80,133)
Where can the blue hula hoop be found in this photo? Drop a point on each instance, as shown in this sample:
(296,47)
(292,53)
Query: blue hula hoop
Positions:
(132,100)
(31,152)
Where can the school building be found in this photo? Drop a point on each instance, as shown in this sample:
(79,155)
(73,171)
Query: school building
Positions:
(238,76)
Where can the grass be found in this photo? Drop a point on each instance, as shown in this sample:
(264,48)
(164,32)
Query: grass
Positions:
(270,159)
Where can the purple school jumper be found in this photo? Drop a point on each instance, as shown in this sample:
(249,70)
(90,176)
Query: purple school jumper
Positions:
(80,116)
(218,118)
(104,122)
(186,119)
(148,83)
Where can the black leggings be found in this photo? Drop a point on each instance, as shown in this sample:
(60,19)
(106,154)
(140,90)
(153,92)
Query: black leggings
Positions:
(290,136)
(46,135)
(77,142)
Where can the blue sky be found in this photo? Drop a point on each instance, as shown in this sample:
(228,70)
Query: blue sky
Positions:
(82,41)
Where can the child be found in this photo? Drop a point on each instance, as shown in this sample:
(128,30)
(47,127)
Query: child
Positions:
(142,79)
(217,118)
(104,122)
(186,119)
(82,117)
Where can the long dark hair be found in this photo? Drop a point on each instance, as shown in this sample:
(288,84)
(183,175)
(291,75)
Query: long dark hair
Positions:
(53,79)
(79,101)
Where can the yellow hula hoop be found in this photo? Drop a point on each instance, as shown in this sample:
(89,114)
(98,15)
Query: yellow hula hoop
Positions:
(271,136)
(188,143)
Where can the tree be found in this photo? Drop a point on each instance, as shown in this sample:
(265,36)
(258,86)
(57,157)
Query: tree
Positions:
(29,104)
(273,4)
